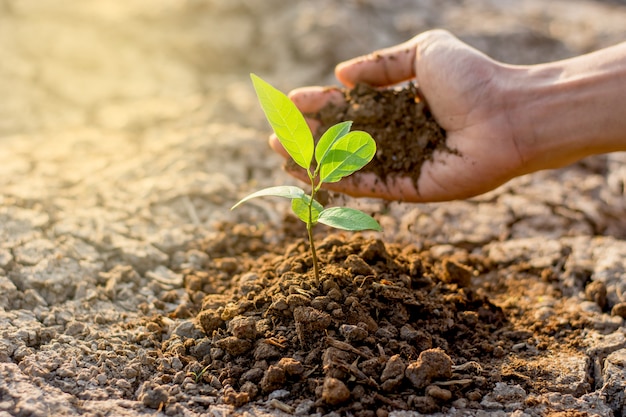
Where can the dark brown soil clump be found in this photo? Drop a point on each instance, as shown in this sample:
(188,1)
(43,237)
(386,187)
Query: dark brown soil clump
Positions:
(388,328)
(400,122)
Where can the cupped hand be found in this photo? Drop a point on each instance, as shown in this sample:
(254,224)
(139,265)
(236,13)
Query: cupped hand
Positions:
(463,89)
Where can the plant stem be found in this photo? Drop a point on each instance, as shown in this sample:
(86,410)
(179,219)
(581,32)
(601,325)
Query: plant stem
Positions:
(309,228)
(316,271)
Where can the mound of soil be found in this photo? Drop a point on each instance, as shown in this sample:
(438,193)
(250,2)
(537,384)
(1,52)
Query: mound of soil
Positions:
(388,328)
(400,122)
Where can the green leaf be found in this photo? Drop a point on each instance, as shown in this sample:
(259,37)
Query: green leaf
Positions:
(287,121)
(287,191)
(329,138)
(348,219)
(300,207)
(347,155)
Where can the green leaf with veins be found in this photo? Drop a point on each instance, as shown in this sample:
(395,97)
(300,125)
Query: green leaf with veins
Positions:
(328,139)
(287,121)
(348,219)
(348,154)
(300,207)
(287,191)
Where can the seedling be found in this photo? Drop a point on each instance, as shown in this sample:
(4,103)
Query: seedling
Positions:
(337,154)
(198,375)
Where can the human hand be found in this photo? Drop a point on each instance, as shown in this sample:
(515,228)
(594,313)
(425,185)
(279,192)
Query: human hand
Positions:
(463,90)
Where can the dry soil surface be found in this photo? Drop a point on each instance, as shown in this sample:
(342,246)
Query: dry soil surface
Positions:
(128,287)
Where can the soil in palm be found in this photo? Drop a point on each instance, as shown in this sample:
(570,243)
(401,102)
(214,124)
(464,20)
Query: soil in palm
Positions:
(400,122)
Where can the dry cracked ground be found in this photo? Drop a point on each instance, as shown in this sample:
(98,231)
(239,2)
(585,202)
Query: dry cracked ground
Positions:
(128,129)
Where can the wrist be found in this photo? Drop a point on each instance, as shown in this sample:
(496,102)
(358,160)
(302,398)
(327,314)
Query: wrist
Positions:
(563,111)
(533,102)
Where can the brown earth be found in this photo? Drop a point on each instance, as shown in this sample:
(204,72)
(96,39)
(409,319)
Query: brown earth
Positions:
(379,309)
(391,327)
(400,122)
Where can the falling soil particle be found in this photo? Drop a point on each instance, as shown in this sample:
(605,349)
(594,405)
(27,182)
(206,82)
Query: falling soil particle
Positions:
(400,122)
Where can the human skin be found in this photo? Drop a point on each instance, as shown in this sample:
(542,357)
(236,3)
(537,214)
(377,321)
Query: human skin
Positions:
(504,120)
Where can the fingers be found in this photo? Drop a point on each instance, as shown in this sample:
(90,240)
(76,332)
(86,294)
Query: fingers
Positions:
(370,185)
(382,68)
(392,65)
(313,99)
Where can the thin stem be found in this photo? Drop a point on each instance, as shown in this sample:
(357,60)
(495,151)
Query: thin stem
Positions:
(309,228)
(316,270)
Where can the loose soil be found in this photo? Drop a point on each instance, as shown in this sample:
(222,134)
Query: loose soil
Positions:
(390,327)
(400,122)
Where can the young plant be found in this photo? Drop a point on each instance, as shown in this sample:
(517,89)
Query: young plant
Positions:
(338,154)
(198,374)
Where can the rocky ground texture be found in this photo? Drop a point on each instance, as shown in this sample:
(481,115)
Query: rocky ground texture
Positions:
(129,129)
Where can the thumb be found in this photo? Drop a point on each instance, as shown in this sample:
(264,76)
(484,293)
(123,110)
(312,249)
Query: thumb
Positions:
(392,65)
(381,68)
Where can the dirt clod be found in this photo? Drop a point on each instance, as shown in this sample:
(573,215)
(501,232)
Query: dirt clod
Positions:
(353,333)
(210,321)
(308,320)
(456,273)
(292,367)
(596,291)
(619,309)
(431,364)
(438,393)
(243,327)
(234,398)
(393,374)
(234,346)
(424,404)
(273,379)
(334,391)
(153,396)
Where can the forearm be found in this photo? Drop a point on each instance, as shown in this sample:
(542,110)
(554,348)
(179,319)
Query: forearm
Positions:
(567,110)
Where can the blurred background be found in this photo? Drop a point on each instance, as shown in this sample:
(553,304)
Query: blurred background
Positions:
(133,64)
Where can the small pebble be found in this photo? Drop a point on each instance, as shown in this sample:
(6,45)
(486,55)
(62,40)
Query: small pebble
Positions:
(518,346)
(304,408)
(278,394)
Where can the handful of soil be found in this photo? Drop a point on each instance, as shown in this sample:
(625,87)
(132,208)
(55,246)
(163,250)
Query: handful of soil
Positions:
(405,132)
